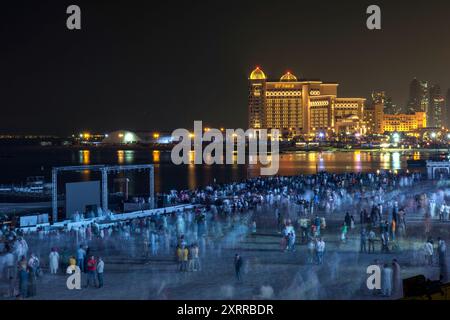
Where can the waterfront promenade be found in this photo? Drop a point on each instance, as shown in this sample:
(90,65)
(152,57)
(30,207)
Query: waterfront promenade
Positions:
(252,229)
(288,273)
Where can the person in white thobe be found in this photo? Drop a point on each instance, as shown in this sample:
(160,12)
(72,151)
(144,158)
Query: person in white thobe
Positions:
(386,277)
(20,248)
(428,250)
(53,261)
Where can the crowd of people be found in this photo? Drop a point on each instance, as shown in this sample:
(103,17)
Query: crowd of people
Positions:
(223,214)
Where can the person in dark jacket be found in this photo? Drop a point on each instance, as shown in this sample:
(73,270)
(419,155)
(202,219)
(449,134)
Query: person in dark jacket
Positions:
(348,220)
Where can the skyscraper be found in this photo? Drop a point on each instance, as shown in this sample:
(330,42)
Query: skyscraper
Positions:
(380,97)
(436,108)
(446,112)
(391,107)
(419,100)
(414,96)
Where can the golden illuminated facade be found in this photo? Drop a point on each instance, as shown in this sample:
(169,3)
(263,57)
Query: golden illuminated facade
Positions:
(378,122)
(404,122)
(301,106)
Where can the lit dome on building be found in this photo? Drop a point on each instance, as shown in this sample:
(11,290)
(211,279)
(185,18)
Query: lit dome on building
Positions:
(257,74)
(121,137)
(288,77)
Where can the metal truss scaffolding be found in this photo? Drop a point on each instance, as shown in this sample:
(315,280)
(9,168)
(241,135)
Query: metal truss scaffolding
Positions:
(104,171)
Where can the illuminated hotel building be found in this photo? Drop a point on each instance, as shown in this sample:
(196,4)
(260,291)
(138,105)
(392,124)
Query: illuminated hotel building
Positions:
(373,117)
(297,107)
(404,122)
(378,122)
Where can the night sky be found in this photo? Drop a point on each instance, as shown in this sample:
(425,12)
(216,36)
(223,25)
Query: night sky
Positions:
(146,65)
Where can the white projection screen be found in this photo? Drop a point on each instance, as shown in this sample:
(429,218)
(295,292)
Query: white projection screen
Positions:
(80,195)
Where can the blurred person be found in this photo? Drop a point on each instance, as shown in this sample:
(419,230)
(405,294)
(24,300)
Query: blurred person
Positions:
(91,269)
(311,250)
(372,239)
(81,255)
(100,270)
(23,280)
(320,250)
(363,239)
(53,261)
(429,250)
(397,280)
(387,276)
(238,266)
(442,255)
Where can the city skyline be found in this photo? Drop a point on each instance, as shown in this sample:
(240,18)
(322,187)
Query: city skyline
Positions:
(193,60)
(201,153)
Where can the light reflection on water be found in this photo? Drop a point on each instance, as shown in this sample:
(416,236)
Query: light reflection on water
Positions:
(18,165)
(85,157)
(339,162)
(290,164)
